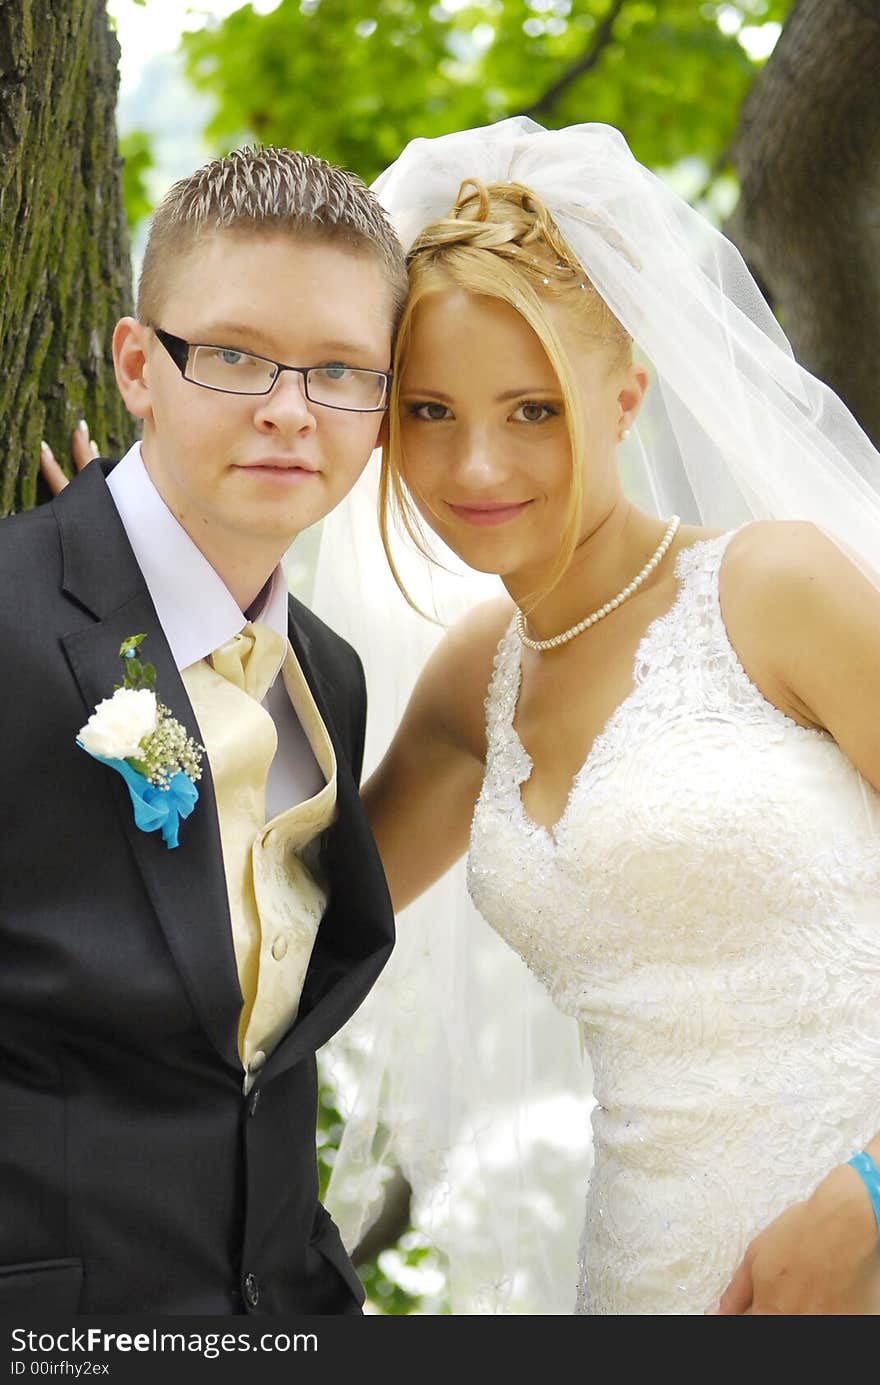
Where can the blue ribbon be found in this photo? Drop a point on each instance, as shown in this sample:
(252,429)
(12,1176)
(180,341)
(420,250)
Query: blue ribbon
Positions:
(155,809)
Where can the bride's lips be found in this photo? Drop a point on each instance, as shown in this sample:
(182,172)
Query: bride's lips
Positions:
(488,514)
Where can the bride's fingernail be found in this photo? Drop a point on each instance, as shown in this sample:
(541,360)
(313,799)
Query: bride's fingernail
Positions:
(716,1308)
(83,427)
(44,446)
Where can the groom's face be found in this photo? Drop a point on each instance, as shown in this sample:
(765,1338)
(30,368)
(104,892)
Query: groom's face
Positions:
(248,472)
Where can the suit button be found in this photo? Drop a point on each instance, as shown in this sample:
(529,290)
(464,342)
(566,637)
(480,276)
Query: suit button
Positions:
(279,947)
(258,1061)
(251,1290)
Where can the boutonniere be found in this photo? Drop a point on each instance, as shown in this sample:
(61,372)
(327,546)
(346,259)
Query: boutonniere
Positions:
(135,734)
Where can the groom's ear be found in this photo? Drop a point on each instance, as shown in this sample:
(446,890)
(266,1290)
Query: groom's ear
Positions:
(130,339)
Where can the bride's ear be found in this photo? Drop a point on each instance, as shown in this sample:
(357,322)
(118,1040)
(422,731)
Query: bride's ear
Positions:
(632,393)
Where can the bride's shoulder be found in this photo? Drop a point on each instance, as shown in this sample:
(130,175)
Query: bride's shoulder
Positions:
(471,641)
(779,559)
(480,628)
(785,586)
(474,638)
(464,658)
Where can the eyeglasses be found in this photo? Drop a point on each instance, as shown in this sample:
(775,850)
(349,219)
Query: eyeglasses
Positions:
(230,371)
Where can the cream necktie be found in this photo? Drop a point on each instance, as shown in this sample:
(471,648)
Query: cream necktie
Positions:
(275,904)
(251,658)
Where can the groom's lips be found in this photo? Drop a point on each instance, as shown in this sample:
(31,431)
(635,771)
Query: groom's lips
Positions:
(282,467)
(496,512)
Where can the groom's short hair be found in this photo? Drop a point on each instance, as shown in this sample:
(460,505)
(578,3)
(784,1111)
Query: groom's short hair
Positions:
(265,191)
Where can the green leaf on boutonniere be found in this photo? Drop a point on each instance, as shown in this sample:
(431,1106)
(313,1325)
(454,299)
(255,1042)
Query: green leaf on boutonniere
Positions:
(137,675)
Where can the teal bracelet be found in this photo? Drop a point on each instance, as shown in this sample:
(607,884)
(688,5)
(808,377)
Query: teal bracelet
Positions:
(870,1175)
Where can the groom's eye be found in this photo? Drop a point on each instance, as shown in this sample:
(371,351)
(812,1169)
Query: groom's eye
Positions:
(335,371)
(230,357)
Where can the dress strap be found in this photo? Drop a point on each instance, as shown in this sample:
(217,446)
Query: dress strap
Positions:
(687,654)
(506,761)
(503,688)
(692,631)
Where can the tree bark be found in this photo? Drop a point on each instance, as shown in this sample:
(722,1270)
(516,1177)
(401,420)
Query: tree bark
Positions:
(807,153)
(65,268)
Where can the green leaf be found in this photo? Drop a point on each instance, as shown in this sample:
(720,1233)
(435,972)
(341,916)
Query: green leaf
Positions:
(136,148)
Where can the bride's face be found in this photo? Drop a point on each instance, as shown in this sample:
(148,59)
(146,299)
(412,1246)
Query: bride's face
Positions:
(485,446)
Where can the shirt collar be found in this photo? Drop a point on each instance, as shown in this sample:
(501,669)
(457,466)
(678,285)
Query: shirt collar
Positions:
(196,609)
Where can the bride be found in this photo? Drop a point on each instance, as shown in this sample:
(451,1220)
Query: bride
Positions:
(659,745)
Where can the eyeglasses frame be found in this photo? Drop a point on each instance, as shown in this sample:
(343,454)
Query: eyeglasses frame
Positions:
(178,349)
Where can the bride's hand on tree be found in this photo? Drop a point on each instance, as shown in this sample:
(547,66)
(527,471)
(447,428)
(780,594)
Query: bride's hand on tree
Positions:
(82,450)
(819,1257)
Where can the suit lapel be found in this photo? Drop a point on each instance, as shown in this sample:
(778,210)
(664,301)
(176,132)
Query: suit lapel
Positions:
(186,885)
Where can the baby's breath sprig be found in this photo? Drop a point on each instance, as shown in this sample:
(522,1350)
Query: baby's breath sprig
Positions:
(168,750)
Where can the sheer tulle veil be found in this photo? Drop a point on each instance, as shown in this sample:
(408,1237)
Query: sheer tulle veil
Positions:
(457,1069)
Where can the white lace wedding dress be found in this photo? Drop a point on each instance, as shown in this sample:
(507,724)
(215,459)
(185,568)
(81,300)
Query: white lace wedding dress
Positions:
(708,907)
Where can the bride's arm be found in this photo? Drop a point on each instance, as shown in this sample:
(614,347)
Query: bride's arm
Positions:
(420,799)
(806,624)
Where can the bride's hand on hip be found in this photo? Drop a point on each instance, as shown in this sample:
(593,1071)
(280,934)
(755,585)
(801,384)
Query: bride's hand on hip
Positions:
(82,450)
(819,1257)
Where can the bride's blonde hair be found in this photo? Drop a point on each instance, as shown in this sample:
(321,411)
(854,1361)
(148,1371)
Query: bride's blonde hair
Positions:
(500,241)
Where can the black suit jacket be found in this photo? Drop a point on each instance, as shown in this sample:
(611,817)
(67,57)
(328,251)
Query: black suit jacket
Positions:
(135,1177)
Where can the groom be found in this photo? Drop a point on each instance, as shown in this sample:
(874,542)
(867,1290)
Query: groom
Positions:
(160,1004)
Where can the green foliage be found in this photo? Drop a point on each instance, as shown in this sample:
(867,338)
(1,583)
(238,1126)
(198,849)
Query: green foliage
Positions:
(354,82)
(398,1282)
(330,1126)
(137,154)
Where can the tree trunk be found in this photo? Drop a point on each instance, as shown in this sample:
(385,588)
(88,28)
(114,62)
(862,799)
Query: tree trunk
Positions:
(65,269)
(808,221)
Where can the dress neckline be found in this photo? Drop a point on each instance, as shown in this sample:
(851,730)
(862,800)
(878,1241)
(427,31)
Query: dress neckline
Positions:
(687,560)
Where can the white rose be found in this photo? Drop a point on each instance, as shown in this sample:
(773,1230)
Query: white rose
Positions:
(119,723)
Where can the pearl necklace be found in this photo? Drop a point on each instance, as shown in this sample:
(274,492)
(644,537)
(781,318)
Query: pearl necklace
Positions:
(603,611)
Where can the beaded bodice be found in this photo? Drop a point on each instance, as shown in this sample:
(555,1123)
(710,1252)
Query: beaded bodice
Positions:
(708,907)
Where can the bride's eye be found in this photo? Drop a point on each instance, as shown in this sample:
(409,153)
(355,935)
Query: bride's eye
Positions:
(430,412)
(533,411)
